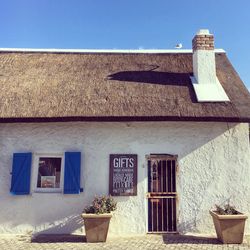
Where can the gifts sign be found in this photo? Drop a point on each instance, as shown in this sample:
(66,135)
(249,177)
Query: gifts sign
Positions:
(123,174)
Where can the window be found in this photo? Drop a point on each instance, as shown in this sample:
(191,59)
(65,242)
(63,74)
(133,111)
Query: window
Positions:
(48,173)
(33,172)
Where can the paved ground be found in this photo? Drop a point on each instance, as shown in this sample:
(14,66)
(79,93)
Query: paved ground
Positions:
(147,242)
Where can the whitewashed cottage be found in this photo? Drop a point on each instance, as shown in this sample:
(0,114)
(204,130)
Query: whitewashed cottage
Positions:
(68,118)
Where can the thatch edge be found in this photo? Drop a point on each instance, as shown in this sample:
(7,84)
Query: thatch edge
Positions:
(124,119)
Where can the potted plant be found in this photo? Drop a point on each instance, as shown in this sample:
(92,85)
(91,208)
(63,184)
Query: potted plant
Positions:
(97,217)
(229,224)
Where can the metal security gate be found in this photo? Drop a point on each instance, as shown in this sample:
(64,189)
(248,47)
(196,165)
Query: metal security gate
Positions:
(162,193)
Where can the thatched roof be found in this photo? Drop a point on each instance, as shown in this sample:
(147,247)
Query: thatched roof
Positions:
(42,86)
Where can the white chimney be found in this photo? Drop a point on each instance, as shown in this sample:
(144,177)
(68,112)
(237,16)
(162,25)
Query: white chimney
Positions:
(205,82)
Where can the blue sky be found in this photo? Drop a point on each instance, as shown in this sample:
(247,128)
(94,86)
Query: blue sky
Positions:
(127,24)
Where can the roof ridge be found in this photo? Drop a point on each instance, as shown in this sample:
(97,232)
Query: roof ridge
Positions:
(125,51)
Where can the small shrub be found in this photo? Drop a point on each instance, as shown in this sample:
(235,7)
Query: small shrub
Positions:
(226,210)
(101,205)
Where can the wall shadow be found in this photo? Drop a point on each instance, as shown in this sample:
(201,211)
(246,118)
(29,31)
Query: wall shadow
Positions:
(70,224)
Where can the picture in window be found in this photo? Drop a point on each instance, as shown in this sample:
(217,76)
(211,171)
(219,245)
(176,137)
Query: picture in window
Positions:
(49,172)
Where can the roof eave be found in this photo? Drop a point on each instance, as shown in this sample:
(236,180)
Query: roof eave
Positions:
(123,119)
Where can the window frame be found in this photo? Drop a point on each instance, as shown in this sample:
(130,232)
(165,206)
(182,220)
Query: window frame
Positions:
(35,167)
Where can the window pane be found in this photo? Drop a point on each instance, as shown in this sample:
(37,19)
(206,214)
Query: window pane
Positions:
(49,172)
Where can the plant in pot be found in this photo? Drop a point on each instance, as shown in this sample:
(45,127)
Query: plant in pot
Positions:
(229,224)
(97,217)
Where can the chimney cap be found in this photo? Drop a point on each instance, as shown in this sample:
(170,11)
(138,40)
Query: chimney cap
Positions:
(203,32)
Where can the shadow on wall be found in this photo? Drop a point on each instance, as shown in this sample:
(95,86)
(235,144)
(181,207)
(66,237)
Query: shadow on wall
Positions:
(188,226)
(69,225)
(156,77)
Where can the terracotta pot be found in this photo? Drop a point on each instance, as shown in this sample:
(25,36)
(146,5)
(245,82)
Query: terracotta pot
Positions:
(96,226)
(229,228)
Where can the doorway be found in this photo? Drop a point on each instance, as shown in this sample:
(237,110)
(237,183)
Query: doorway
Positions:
(162,193)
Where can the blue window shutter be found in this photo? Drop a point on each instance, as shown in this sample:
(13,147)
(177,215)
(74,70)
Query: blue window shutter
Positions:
(21,172)
(72,172)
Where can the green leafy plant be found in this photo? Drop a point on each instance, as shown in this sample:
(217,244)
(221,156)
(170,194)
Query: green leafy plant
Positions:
(101,205)
(226,210)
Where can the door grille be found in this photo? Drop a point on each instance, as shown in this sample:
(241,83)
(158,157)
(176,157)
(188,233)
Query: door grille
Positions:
(162,193)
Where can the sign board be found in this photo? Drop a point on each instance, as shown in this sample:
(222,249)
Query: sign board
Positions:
(123,174)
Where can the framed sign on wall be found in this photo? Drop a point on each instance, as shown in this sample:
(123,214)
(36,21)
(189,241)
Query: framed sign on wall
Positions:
(123,174)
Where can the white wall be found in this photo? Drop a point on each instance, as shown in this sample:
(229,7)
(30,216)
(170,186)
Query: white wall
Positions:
(214,165)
